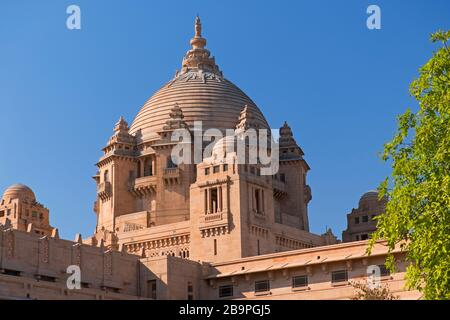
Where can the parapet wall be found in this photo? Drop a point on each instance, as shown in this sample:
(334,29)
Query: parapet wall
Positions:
(32,266)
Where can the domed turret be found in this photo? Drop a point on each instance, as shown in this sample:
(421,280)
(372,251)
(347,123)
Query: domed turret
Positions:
(368,198)
(19,191)
(20,210)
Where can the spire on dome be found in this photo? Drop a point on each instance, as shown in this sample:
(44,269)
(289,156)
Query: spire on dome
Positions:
(287,143)
(176,120)
(197,42)
(198,27)
(246,120)
(199,58)
(121,136)
(121,125)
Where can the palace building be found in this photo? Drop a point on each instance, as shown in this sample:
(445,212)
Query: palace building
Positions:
(213,229)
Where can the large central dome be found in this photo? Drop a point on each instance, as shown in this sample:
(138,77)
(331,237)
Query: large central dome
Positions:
(202,93)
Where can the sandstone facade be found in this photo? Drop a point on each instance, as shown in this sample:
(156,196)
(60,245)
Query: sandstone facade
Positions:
(216,228)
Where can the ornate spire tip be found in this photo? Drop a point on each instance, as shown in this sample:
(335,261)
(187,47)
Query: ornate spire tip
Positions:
(198,27)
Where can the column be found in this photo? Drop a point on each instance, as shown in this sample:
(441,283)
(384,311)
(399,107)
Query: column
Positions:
(209,201)
(141,164)
(206,200)
(220,206)
(153,166)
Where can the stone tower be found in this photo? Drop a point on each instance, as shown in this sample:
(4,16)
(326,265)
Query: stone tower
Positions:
(19,210)
(360,221)
(151,204)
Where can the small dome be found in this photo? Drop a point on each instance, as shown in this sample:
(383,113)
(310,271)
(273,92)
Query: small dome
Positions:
(223,147)
(369,196)
(19,191)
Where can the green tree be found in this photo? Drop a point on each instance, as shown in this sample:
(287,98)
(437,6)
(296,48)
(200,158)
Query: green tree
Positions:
(418,190)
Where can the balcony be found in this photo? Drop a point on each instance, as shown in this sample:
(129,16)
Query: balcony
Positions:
(171,175)
(308,194)
(214,224)
(143,186)
(279,189)
(95,207)
(104,190)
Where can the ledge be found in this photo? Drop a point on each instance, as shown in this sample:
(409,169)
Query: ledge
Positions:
(340,284)
(301,289)
(263,293)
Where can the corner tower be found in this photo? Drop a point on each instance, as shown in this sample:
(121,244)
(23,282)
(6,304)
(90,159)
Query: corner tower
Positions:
(19,210)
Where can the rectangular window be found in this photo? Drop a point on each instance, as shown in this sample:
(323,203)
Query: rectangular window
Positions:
(225,291)
(216,169)
(257,199)
(356,220)
(206,171)
(214,200)
(384,272)
(364,236)
(2,214)
(225,167)
(190,291)
(10,272)
(46,278)
(262,286)
(299,281)
(365,218)
(339,276)
(215,247)
(282,177)
(151,289)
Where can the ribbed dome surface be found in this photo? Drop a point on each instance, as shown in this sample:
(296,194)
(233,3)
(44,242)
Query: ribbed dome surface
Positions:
(216,103)
(19,191)
(370,196)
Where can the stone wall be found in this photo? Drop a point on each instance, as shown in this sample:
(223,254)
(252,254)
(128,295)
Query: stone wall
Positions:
(32,266)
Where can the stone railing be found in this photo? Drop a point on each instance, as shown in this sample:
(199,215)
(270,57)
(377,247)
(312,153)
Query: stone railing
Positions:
(171,171)
(142,186)
(214,224)
(279,188)
(171,175)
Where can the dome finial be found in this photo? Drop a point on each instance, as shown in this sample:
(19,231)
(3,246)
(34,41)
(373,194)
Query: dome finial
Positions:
(199,58)
(198,27)
(198,42)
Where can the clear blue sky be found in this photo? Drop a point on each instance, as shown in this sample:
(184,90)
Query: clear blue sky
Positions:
(313,63)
